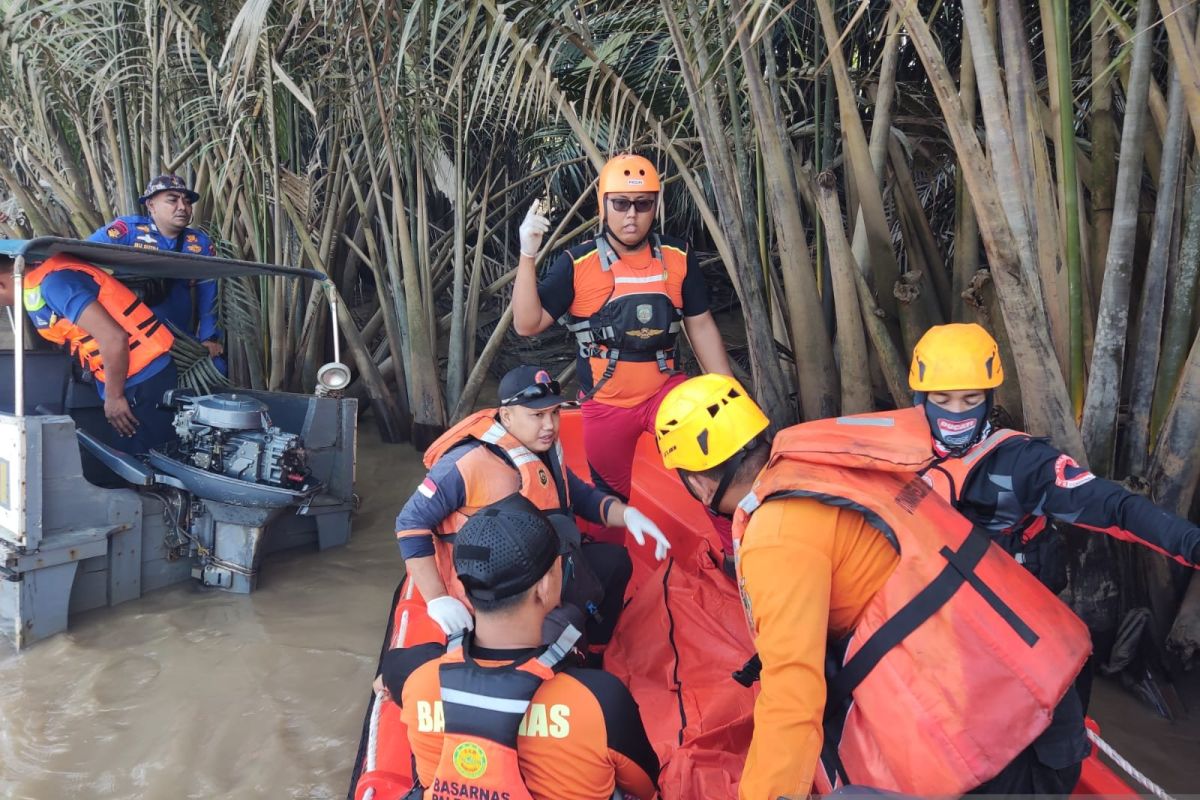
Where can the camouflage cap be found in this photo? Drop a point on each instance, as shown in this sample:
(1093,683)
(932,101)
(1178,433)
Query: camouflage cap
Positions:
(167,183)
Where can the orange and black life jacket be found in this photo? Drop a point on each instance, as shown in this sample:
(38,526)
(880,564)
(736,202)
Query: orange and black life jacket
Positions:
(958,662)
(640,320)
(484,708)
(149,338)
(488,474)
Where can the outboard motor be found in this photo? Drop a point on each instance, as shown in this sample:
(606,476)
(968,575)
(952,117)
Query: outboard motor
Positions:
(242,470)
(232,435)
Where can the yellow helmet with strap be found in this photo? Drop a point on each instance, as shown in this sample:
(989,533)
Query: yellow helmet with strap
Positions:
(705,421)
(955,357)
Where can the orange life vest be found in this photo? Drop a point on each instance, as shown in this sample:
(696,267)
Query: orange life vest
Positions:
(957,663)
(544,486)
(149,338)
(483,709)
(640,320)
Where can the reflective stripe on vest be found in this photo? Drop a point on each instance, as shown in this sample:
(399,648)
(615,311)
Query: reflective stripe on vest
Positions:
(963,633)
(149,338)
(484,708)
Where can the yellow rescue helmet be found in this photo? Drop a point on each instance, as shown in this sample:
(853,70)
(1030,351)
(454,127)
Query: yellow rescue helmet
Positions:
(955,357)
(705,421)
(626,173)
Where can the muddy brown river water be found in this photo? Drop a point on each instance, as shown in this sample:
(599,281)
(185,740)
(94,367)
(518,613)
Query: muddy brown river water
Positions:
(195,693)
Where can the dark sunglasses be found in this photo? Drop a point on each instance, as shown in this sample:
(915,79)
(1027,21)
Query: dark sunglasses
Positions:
(535,392)
(622,204)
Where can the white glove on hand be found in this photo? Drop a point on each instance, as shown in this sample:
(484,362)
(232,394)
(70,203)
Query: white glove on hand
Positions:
(533,229)
(640,526)
(449,613)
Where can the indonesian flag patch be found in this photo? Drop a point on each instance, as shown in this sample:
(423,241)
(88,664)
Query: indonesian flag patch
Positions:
(427,489)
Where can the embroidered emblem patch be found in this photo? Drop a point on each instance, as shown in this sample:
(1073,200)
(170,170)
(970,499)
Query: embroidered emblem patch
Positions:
(470,760)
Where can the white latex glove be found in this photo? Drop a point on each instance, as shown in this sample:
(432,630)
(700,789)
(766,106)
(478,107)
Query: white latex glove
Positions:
(450,614)
(640,526)
(533,229)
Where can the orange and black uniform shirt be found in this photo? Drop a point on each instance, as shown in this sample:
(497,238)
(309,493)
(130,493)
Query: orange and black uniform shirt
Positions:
(809,571)
(581,738)
(575,282)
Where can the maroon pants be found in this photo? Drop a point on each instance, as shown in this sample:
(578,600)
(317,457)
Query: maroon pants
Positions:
(610,437)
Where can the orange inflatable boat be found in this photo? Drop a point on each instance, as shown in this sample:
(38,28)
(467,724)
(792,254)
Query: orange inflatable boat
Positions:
(680,638)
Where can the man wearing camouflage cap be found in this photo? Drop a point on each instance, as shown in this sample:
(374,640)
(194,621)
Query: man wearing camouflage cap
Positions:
(191,306)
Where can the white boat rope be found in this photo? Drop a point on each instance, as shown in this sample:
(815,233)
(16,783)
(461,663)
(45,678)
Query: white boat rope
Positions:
(373,741)
(1108,750)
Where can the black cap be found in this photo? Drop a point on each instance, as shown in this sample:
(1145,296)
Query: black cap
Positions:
(528,379)
(504,549)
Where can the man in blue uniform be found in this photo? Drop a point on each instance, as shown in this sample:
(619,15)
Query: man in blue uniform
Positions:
(191,306)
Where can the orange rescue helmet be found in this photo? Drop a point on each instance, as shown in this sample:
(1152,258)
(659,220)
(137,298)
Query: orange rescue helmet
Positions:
(626,173)
(955,357)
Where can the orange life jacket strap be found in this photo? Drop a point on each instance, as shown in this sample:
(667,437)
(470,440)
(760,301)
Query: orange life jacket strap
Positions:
(959,571)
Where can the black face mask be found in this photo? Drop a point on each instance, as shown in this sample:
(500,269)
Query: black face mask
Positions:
(957,430)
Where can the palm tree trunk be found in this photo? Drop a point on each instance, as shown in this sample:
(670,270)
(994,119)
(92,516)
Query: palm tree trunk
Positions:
(1173,476)
(1104,150)
(1002,150)
(742,258)
(1144,364)
(966,227)
(1179,20)
(1108,352)
(456,347)
(816,373)
(1069,184)
(1180,314)
(858,156)
(851,343)
(1032,351)
(920,242)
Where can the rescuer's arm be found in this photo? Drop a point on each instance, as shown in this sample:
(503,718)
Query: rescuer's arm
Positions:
(788,584)
(707,344)
(604,509)
(613,731)
(113,342)
(438,496)
(529,317)
(633,758)
(589,502)
(1050,482)
(207,330)
(702,330)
